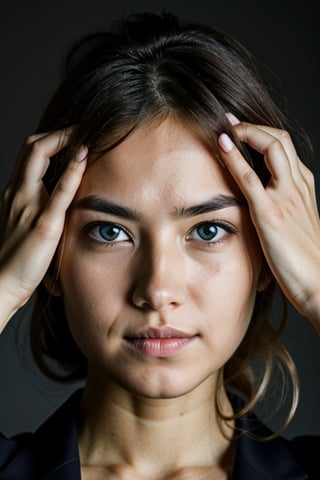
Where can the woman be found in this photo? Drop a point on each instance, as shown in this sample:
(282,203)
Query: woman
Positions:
(153,213)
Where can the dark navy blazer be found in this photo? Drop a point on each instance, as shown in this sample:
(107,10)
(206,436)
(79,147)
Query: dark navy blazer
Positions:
(51,453)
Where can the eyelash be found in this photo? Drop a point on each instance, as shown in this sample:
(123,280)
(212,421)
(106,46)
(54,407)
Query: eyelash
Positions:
(89,230)
(217,224)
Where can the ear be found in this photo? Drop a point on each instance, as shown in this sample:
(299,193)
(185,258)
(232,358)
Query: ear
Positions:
(52,284)
(265,277)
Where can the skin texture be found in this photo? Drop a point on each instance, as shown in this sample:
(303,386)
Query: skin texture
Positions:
(31,222)
(285,213)
(160,274)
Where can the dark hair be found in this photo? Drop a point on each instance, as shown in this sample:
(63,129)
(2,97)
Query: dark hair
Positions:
(150,66)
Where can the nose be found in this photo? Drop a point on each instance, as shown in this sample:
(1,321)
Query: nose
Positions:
(160,279)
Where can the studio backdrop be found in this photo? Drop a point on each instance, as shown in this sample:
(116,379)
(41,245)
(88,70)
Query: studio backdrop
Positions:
(34,36)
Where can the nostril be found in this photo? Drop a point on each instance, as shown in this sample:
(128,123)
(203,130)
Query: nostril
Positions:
(155,300)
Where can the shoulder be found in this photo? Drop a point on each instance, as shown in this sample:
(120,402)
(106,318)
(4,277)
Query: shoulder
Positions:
(306,450)
(276,459)
(10,446)
(49,453)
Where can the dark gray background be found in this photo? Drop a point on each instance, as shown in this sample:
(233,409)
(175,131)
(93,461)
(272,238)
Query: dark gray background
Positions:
(33,37)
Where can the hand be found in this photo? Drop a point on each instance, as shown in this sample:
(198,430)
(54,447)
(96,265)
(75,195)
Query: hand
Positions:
(284,212)
(31,221)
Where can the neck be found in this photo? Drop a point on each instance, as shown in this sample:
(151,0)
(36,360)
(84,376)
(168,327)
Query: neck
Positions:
(119,428)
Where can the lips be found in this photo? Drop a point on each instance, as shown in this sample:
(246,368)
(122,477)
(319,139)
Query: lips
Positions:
(164,332)
(160,342)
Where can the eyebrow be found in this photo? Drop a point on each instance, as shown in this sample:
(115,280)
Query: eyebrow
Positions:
(99,204)
(215,203)
(103,205)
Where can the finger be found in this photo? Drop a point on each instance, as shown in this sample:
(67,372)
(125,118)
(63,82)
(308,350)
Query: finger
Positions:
(282,135)
(34,158)
(285,139)
(41,150)
(63,194)
(269,146)
(302,176)
(19,165)
(245,177)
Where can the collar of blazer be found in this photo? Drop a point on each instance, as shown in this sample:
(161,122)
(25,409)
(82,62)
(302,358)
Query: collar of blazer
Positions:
(262,460)
(51,453)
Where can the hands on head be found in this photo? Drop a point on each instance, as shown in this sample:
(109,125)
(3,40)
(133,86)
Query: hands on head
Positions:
(31,220)
(169,76)
(284,212)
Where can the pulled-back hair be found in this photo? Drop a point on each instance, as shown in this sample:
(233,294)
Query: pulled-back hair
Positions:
(149,66)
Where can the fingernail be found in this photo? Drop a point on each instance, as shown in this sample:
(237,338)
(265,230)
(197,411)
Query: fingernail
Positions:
(225,142)
(232,118)
(82,153)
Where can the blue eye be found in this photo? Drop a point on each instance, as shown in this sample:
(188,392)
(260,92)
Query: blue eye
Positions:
(209,232)
(108,233)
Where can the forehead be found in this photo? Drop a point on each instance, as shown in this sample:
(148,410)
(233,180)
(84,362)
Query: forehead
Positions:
(166,158)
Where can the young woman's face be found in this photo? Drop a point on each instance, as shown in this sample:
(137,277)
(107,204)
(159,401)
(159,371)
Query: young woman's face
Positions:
(160,264)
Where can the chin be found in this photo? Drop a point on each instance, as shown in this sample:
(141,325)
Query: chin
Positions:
(159,384)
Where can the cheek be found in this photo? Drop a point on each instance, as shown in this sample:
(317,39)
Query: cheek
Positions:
(230,277)
(233,295)
(91,294)
(229,290)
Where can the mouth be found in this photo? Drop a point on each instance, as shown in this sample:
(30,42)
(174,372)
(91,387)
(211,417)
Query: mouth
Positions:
(160,342)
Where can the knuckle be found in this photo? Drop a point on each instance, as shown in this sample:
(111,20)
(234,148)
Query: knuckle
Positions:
(18,201)
(21,213)
(26,215)
(36,147)
(250,178)
(30,139)
(284,136)
(275,145)
(46,229)
(245,133)
(309,177)
(22,209)
(61,188)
